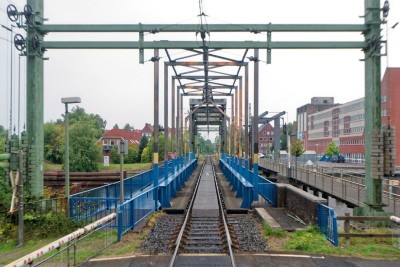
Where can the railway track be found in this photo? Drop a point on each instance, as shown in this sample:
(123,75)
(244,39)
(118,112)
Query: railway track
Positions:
(205,229)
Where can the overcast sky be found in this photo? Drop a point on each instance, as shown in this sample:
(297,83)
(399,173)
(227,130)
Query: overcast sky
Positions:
(114,85)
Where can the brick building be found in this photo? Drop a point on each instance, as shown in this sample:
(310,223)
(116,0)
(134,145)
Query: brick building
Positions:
(265,138)
(317,104)
(344,124)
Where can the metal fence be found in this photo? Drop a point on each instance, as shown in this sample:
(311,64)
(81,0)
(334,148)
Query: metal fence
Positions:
(96,203)
(82,249)
(267,190)
(327,223)
(346,186)
(136,209)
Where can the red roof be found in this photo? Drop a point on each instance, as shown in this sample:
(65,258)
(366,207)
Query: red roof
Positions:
(132,136)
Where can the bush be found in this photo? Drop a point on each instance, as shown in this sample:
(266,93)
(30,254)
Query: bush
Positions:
(49,225)
(306,240)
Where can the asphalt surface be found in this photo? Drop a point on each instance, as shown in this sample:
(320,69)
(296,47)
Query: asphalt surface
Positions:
(248,260)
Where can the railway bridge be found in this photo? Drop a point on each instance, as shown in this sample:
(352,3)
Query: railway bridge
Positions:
(207,83)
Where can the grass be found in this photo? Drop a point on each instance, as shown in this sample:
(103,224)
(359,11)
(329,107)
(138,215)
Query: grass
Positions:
(134,167)
(9,251)
(312,241)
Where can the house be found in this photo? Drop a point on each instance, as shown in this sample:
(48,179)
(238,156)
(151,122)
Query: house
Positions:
(112,137)
(147,130)
(265,138)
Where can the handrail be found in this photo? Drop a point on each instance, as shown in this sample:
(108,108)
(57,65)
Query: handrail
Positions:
(348,182)
(59,242)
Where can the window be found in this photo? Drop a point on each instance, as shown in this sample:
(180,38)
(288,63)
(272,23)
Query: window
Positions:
(105,142)
(312,123)
(264,132)
(346,121)
(326,128)
(335,122)
(112,142)
(270,139)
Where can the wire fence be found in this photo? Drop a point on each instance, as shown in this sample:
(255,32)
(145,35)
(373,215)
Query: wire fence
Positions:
(79,251)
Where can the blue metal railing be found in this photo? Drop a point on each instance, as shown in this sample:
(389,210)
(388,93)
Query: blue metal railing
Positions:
(89,205)
(327,223)
(267,190)
(134,210)
(233,167)
(140,195)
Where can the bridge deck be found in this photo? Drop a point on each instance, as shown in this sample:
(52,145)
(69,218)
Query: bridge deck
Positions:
(180,203)
(206,202)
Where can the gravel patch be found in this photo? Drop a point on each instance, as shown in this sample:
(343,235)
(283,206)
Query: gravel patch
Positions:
(161,234)
(248,233)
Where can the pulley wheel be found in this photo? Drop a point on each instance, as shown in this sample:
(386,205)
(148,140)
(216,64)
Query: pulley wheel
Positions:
(28,13)
(12,12)
(19,42)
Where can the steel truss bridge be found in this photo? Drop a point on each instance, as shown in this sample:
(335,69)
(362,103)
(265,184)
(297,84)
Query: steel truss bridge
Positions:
(209,79)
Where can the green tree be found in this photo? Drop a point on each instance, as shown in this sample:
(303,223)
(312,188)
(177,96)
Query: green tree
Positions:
(297,148)
(133,155)
(3,137)
(115,155)
(54,142)
(116,126)
(143,143)
(128,127)
(150,146)
(97,124)
(332,149)
(84,152)
(146,156)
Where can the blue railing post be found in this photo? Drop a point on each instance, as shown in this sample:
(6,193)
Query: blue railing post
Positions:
(132,214)
(246,170)
(120,222)
(165,170)
(255,181)
(108,197)
(155,181)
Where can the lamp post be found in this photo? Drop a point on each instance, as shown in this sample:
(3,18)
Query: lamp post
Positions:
(66,101)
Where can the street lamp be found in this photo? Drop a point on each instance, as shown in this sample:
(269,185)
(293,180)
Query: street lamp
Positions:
(66,101)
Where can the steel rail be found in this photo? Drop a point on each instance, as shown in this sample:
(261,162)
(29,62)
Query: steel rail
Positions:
(228,236)
(188,214)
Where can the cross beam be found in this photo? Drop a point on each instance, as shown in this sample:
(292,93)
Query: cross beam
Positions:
(211,44)
(251,28)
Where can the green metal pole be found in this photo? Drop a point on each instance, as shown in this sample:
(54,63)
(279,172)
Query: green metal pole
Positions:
(373,156)
(34,107)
